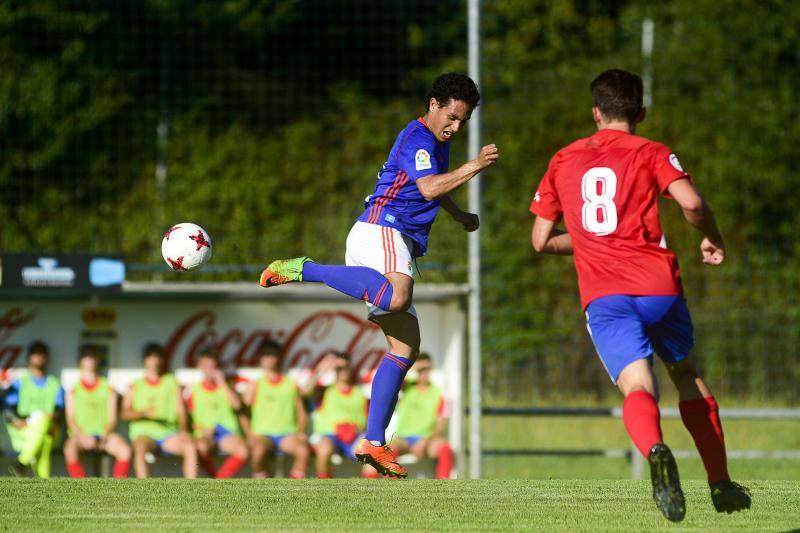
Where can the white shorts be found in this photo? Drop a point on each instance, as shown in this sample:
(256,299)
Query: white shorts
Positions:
(379,248)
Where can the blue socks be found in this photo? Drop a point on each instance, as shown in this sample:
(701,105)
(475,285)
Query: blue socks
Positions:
(362,283)
(385,391)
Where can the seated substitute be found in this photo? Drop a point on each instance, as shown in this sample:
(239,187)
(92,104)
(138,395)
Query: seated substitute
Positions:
(341,415)
(32,403)
(278,417)
(91,409)
(421,420)
(157,417)
(213,406)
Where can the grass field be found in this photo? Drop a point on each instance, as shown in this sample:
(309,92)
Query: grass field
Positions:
(602,433)
(378,505)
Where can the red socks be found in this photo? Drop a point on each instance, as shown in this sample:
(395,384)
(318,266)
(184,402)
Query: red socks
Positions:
(701,418)
(230,467)
(324,475)
(642,420)
(444,463)
(121,469)
(76,470)
(207,462)
(297,474)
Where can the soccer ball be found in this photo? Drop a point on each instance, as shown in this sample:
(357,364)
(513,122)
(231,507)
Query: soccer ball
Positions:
(186,246)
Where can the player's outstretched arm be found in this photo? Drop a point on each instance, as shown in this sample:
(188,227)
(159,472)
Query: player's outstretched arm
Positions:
(698,213)
(470,221)
(548,239)
(437,185)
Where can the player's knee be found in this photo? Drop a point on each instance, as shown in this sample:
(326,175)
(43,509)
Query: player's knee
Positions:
(124,453)
(401,301)
(241,451)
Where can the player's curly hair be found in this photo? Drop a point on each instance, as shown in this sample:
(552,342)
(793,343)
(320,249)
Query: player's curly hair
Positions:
(455,86)
(618,94)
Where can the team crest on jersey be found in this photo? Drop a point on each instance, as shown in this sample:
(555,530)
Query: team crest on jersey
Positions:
(422,159)
(537,197)
(673,160)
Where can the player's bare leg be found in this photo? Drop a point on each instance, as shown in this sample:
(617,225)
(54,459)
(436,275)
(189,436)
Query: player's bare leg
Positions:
(116,447)
(642,421)
(403,337)
(260,447)
(700,414)
(298,449)
(72,449)
(183,444)
(235,447)
(141,446)
(324,451)
(205,453)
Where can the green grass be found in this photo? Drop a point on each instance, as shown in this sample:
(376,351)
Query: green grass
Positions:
(602,433)
(379,505)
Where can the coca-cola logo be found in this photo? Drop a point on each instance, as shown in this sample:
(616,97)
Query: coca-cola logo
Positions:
(13,319)
(304,344)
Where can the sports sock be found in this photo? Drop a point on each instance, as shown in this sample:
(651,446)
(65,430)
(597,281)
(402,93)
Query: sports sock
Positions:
(385,390)
(297,474)
(363,283)
(642,420)
(76,470)
(444,464)
(701,418)
(121,469)
(207,462)
(324,475)
(231,466)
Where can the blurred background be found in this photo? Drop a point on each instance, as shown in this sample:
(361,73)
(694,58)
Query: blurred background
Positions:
(265,121)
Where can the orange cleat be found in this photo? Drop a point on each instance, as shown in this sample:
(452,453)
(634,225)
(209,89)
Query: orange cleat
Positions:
(381,458)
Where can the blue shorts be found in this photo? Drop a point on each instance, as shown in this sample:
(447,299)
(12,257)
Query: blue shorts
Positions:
(276,441)
(412,440)
(220,432)
(627,328)
(348,450)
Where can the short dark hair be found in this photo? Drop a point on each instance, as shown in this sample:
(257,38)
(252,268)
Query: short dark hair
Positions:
(618,94)
(209,352)
(342,355)
(453,86)
(152,348)
(424,356)
(38,347)
(88,350)
(270,347)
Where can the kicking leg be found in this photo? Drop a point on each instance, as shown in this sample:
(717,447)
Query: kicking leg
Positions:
(700,415)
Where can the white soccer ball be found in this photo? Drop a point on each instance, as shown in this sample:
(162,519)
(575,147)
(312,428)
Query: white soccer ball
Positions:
(186,246)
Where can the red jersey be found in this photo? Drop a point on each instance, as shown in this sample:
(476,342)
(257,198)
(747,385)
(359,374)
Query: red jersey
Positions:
(606,187)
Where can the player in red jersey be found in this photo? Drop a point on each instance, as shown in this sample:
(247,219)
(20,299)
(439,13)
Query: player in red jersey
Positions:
(606,189)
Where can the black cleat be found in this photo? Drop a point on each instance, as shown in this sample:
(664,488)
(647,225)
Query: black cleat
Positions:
(20,470)
(729,497)
(667,491)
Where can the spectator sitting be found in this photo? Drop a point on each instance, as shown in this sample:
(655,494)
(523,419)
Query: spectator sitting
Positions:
(341,414)
(213,406)
(157,417)
(92,418)
(31,404)
(422,423)
(278,417)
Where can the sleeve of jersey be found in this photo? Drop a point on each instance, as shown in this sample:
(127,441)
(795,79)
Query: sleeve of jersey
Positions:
(546,203)
(417,156)
(666,168)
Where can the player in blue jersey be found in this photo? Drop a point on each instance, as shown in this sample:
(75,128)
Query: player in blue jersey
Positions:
(390,233)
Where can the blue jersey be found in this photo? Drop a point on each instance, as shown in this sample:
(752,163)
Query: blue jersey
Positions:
(396,201)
